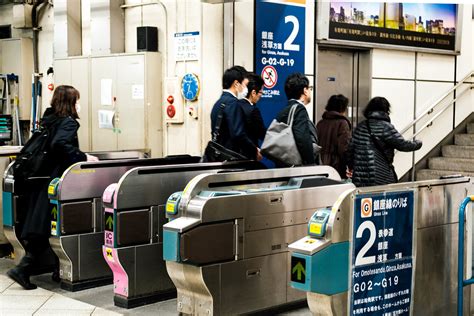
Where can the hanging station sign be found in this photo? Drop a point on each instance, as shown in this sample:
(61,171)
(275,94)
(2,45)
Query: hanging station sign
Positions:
(279,49)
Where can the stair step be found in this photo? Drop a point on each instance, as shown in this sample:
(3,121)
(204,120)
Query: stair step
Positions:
(460,165)
(430,174)
(464,139)
(456,151)
(470,128)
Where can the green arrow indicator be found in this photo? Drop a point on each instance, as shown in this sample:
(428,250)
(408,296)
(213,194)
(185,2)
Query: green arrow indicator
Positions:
(109,222)
(54,212)
(299,269)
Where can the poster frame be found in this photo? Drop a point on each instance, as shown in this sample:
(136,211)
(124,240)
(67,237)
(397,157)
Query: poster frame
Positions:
(322,34)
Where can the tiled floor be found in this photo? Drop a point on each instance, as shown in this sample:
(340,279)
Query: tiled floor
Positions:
(49,299)
(16,301)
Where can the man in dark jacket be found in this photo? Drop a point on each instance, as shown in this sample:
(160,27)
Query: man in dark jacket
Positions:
(372,147)
(254,125)
(334,134)
(298,92)
(232,130)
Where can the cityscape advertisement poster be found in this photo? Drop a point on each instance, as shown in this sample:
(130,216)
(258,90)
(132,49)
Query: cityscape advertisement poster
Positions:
(424,25)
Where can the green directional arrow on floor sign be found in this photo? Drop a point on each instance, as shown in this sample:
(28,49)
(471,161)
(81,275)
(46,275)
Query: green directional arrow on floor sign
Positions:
(110,222)
(298,269)
(54,212)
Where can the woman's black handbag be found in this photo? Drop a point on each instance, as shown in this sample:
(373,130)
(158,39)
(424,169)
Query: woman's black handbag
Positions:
(214,151)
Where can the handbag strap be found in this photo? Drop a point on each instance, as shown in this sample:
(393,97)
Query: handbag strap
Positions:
(220,116)
(376,141)
(291,115)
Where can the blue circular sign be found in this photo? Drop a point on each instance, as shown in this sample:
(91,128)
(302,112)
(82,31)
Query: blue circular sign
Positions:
(190,87)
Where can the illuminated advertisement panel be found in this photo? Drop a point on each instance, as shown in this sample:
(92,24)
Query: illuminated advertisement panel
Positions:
(423,25)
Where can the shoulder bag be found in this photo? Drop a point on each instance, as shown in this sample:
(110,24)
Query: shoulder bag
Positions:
(279,143)
(214,151)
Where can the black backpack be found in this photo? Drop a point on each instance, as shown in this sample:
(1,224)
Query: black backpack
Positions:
(32,157)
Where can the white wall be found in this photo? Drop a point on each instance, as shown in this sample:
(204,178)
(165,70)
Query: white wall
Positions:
(45,41)
(413,82)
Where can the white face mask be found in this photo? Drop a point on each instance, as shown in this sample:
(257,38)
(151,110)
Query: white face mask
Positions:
(78,107)
(243,94)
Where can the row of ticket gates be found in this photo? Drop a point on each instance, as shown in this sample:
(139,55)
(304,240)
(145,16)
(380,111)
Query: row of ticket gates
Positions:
(236,238)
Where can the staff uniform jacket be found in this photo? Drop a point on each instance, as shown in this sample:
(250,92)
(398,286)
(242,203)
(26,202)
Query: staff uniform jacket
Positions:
(254,125)
(368,164)
(232,132)
(64,151)
(301,131)
(334,134)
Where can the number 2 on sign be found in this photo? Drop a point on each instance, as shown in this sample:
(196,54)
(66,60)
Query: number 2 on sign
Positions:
(360,259)
(288,45)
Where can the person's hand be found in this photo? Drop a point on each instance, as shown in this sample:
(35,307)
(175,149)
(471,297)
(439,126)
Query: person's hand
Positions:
(259,155)
(91,158)
(349,173)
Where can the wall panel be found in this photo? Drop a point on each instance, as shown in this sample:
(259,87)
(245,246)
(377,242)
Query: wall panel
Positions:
(393,64)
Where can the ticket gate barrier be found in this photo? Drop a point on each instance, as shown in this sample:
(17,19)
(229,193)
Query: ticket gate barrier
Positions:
(461,233)
(134,214)
(385,250)
(226,248)
(14,202)
(77,220)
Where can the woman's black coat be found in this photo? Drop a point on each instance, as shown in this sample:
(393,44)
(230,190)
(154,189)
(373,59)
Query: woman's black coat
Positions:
(64,151)
(369,165)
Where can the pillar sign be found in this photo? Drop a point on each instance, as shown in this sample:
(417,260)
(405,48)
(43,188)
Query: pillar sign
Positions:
(279,49)
(382,254)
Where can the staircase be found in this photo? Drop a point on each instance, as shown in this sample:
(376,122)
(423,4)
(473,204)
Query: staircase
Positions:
(455,159)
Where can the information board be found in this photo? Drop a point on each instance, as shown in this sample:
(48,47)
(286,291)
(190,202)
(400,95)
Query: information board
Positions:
(187,46)
(279,49)
(382,254)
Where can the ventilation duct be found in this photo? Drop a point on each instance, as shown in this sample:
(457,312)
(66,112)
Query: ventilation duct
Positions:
(107,27)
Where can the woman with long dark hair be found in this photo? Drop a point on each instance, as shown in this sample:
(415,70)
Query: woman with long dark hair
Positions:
(373,145)
(61,122)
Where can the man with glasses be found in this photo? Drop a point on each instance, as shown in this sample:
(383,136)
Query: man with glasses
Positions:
(298,91)
(254,126)
(232,133)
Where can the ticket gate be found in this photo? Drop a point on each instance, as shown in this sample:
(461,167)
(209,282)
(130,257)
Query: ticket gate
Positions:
(77,218)
(134,215)
(386,250)
(13,206)
(226,247)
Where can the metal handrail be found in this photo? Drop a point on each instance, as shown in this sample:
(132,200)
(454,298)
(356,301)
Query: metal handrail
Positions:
(430,122)
(461,281)
(430,109)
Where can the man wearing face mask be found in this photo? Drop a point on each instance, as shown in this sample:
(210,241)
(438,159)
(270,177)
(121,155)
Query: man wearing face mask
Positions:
(254,125)
(299,92)
(232,132)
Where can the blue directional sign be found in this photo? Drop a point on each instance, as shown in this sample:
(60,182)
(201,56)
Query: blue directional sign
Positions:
(382,254)
(279,49)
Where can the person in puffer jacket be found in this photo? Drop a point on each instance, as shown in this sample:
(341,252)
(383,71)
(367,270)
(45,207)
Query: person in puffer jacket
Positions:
(370,158)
